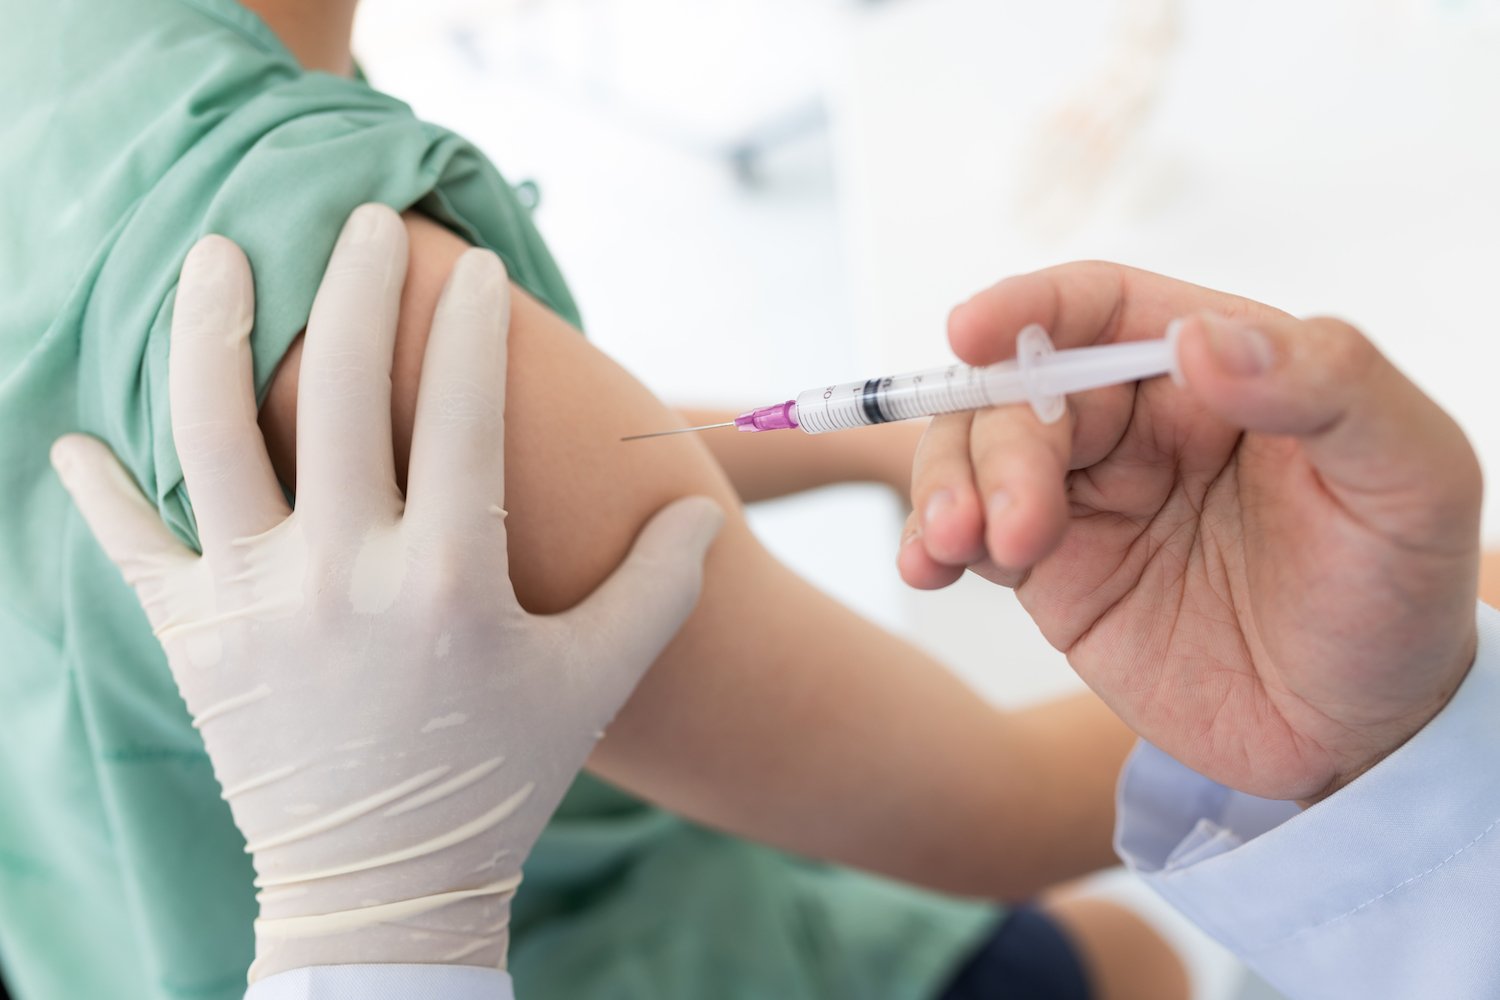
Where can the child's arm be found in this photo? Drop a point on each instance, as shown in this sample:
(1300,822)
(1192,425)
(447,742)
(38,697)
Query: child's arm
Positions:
(763,467)
(1489,578)
(776,713)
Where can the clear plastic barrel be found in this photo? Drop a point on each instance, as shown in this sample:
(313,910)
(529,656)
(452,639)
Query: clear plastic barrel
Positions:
(903,397)
(1039,376)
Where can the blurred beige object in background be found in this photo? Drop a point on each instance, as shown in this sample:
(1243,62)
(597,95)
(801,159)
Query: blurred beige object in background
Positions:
(1077,144)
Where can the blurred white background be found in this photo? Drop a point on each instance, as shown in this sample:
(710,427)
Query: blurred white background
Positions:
(754,196)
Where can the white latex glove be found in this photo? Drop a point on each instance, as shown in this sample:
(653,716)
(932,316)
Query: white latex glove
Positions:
(390,728)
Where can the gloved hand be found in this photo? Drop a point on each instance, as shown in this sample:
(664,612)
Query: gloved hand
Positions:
(390,728)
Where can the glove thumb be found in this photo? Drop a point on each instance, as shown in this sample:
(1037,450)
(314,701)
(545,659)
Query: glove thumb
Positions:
(625,624)
(126,525)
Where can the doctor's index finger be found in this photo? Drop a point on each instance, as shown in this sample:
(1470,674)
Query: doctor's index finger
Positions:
(1080,304)
(214,415)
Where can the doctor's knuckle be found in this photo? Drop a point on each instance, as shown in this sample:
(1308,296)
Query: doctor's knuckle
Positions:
(1347,353)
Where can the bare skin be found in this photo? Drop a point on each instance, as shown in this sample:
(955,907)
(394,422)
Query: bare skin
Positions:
(1269,571)
(1110,938)
(316,33)
(1489,578)
(762,467)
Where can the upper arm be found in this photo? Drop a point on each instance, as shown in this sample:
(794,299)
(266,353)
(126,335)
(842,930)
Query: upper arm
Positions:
(775,712)
(564,466)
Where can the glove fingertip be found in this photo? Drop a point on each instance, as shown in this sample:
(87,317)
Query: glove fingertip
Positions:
(702,519)
(660,580)
(697,522)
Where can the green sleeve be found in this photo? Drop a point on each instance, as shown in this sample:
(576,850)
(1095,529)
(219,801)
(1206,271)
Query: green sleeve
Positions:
(278,174)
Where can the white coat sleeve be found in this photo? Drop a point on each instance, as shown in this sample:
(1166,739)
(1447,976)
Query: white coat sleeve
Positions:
(1388,888)
(385,982)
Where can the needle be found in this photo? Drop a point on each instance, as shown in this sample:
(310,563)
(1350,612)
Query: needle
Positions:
(680,430)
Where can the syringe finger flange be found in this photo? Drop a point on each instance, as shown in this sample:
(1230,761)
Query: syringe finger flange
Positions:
(1032,346)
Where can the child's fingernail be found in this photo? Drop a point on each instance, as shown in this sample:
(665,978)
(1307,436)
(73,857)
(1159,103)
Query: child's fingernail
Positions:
(1239,349)
(937,505)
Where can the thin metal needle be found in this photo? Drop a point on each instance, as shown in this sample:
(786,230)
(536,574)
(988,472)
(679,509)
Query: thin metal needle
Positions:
(680,430)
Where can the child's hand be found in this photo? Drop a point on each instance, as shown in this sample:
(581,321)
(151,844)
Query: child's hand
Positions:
(1269,571)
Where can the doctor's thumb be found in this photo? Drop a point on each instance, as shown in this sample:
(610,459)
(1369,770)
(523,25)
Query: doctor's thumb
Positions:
(1364,426)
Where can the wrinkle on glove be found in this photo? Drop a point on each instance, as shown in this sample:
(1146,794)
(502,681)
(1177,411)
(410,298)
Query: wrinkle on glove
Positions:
(390,728)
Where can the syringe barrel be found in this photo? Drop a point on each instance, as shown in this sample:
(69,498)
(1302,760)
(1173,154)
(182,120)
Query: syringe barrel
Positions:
(1039,376)
(902,397)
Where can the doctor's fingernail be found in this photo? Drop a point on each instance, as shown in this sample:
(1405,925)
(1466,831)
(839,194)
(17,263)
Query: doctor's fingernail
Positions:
(1239,349)
(1000,501)
(937,506)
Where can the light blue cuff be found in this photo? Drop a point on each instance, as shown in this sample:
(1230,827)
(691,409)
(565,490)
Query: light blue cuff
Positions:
(1387,882)
(385,982)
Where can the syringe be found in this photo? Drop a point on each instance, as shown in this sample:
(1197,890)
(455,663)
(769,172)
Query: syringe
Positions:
(1039,375)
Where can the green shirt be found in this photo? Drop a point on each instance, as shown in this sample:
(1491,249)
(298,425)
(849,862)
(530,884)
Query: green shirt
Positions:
(128,129)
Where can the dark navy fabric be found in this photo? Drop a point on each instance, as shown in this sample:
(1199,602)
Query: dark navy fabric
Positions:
(1029,957)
